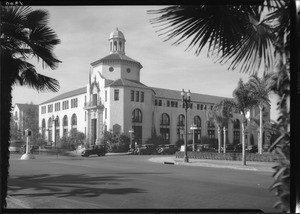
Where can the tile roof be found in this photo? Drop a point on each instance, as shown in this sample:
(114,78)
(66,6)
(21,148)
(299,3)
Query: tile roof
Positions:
(116,56)
(176,95)
(128,82)
(24,107)
(67,94)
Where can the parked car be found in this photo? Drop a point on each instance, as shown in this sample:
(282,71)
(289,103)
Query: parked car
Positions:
(252,149)
(99,150)
(206,148)
(15,146)
(167,149)
(146,149)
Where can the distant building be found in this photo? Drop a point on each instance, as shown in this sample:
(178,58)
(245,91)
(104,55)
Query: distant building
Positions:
(18,113)
(115,100)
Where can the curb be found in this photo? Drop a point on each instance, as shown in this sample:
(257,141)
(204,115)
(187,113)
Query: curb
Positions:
(171,160)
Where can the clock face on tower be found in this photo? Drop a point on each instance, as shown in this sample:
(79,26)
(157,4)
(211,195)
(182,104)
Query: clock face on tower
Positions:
(111,69)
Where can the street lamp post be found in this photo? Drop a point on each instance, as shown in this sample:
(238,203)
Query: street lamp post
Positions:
(186,99)
(193,127)
(130,132)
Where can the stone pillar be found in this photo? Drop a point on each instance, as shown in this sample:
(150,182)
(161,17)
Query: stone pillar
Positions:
(99,125)
(89,131)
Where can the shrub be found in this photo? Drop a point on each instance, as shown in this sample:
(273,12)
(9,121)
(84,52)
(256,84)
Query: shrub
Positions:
(267,157)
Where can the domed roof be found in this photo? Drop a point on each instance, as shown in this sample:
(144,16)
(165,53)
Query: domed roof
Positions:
(116,34)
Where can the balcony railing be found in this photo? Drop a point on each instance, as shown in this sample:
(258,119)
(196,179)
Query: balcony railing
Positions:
(93,105)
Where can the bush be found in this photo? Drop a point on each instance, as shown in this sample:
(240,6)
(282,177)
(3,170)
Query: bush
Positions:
(267,157)
(116,142)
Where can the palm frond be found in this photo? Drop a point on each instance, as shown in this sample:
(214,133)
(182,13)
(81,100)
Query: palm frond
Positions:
(38,81)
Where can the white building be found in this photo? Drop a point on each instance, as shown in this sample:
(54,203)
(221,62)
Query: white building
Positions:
(116,100)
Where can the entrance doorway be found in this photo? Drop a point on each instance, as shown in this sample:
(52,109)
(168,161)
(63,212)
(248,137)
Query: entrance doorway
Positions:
(94,131)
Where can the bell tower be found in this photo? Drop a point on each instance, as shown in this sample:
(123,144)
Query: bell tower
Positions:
(117,42)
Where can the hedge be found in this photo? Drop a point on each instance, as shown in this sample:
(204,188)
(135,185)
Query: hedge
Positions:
(266,157)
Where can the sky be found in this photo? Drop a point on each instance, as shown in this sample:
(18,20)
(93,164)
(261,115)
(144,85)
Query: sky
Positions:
(84,33)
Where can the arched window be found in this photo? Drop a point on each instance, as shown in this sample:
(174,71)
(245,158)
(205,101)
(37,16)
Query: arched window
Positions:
(181,120)
(43,129)
(50,123)
(165,119)
(65,125)
(115,45)
(137,116)
(211,129)
(120,46)
(74,122)
(165,127)
(197,121)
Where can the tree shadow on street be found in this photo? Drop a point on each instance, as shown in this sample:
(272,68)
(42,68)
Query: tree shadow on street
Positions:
(68,185)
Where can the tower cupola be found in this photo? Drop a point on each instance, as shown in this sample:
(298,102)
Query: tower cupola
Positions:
(117,42)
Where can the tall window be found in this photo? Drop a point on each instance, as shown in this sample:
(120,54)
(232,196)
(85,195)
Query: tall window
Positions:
(105,96)
(236,131)
(137,116)
(116,94)
(210,129)
(43,109)
(197,121)
(57,128)
(65,105)
(74,103)
(137,96)
(181,120)
(74,122)
(65,125)
(165,119)
(137,125)
(165,127)
(131,95)
(43,129)
(180,126)
(142,96)
(57,106)
(50,124)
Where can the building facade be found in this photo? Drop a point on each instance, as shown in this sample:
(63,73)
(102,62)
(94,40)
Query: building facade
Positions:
(116,100)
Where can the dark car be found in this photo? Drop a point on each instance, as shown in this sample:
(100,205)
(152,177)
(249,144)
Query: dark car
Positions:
(252,149)
(146,149)
(167,149)
(99,150)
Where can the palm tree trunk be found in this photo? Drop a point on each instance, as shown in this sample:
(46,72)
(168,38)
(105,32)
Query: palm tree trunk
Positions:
(260,129)
(224,146)
(219,139)
(243,141)
(5,129)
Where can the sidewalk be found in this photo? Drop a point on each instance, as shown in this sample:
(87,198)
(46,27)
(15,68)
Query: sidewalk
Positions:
(250,165)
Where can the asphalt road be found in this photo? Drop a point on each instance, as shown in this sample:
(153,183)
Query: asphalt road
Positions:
(133,182)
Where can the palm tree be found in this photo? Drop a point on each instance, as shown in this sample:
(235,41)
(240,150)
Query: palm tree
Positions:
(215,116)
(243,102)
(220,114)
(24,35)
(243,36)
(260,86)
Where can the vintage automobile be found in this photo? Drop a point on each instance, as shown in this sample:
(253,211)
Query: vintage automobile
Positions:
(145,149)
(99,150)
(167,149)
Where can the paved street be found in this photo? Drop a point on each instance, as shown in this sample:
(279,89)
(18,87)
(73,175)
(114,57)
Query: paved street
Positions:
(134,182)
